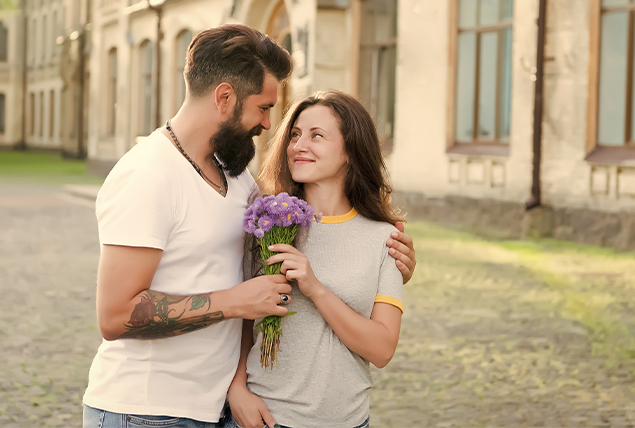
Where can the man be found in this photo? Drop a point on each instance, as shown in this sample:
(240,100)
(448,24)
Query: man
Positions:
(170,290)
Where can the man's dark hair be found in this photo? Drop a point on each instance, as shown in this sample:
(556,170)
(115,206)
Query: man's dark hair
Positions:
(235,54)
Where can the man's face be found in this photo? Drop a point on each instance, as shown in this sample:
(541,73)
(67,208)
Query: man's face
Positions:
(233,143)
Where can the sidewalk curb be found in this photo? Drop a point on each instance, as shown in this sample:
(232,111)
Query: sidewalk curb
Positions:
(88,192)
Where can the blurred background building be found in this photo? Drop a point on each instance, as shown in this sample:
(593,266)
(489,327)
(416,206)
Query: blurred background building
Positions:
(511,116)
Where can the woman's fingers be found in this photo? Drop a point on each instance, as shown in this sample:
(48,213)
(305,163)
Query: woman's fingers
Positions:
(283,248)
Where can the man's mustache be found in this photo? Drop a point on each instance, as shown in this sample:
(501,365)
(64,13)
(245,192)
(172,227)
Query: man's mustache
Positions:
(256,131)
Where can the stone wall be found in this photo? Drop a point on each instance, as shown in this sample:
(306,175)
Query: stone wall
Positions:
(511,221)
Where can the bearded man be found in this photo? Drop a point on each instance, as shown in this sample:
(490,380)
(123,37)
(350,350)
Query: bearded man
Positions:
(170,289)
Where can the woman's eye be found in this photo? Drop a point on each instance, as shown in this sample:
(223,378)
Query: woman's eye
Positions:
(317,135)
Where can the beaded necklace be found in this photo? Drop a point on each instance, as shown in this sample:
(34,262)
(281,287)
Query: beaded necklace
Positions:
(222,188)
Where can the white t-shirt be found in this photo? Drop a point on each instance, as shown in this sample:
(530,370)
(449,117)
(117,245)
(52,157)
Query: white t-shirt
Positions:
(154,198)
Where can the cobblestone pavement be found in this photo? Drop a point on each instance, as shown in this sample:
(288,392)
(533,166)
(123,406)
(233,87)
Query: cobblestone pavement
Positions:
(486,342)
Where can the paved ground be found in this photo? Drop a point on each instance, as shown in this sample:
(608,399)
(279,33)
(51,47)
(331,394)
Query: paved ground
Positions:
(493,335)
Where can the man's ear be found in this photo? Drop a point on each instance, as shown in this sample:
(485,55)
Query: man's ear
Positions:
(225,98)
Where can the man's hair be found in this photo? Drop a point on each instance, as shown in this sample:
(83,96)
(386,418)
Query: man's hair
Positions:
(234,54)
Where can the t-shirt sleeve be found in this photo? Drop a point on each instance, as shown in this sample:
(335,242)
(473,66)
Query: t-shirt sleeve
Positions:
(134,208)
(390,285)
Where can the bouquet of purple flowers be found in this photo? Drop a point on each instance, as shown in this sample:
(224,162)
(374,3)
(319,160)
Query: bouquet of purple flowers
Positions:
(275,220)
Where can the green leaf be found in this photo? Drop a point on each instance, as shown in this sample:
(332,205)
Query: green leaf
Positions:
(198,302)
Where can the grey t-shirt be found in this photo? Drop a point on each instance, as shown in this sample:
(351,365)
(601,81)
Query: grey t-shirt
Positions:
(318,381)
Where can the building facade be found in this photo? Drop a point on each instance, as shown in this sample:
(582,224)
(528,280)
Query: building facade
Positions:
(466,152)
(42,44)
(505,115)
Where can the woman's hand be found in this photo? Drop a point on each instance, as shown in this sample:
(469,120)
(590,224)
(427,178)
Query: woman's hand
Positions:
(248,410)
(296,267)
(403,251)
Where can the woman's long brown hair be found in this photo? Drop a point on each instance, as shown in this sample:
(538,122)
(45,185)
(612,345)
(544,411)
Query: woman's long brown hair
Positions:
(366,185)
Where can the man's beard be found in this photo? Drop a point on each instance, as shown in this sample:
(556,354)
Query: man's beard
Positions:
(234,145)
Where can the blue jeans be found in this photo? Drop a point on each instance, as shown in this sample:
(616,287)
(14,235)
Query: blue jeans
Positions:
(231,423)
(95,418)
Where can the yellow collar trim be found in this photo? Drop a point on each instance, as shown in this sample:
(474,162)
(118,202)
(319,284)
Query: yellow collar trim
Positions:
(334,219)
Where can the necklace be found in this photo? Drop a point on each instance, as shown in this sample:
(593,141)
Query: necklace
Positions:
(222,188)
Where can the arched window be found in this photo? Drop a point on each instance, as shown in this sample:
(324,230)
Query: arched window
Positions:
(146,62)
(4,41)
(182,43)
(111,111)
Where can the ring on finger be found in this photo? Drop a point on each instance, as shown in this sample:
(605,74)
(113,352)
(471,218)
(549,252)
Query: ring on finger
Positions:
(284,299)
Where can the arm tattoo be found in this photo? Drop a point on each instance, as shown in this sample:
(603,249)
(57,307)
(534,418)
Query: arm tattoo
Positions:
(160,315)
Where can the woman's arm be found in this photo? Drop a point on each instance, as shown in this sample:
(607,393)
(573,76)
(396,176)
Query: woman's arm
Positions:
(248,410)
(374,339)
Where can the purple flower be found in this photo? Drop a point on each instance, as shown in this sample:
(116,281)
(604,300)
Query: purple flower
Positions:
(279,210)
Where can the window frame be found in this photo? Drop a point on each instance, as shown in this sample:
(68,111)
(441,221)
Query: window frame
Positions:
(596,152)
(478,146)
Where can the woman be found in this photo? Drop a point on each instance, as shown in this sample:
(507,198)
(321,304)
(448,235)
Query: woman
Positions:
(348,298)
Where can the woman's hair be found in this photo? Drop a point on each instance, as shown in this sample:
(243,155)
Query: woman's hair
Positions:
(366,185)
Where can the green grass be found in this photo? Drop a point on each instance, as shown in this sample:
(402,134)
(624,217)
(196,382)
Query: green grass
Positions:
(41,167)
(591,285)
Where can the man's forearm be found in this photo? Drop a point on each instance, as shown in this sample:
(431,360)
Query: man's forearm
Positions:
(158,315)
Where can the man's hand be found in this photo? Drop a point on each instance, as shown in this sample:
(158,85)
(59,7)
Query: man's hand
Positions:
(403,251)
(248,410)
(259,297)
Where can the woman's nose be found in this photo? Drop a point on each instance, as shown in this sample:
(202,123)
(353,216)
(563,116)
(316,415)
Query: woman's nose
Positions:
(300,145)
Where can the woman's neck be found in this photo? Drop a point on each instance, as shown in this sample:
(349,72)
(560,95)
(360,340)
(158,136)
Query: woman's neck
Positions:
(325,199)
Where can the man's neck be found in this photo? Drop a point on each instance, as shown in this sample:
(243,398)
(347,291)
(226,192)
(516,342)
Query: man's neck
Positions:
(193,128)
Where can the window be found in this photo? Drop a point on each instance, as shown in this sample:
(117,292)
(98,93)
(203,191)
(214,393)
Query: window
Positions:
(41,115)
(483,71)
(111,112)
(146,59)
(44,34)
(31,114)
(51,113)
(182,43)
(2,113)
(378,46)
(54,33)
(616,115)
(4,42)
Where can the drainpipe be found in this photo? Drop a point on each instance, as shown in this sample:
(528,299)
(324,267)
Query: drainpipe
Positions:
(80,92)
(535,200)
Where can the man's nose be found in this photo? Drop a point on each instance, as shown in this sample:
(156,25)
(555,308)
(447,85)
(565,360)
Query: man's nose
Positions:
(266,122)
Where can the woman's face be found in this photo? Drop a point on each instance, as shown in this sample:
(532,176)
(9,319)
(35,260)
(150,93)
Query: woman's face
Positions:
(316,151)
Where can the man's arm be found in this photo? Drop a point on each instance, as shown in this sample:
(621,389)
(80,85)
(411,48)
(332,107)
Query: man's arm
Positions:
(127,308)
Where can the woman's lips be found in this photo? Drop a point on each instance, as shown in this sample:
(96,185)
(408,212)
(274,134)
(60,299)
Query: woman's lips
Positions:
(303,160)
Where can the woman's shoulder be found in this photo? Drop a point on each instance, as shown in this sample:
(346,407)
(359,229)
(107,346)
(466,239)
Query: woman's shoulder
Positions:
(374,227)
